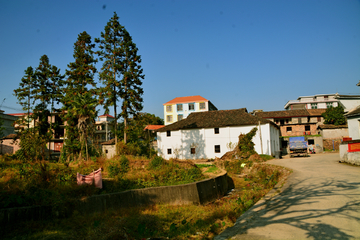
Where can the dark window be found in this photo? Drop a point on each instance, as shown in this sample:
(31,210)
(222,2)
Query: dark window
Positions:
(307,128)
(217,148)
(288,129)
(299,121)
(319,119)
(284,144)
(168,133)
(311,141)
(180,117)
(282,122)
(191,106)
(106,151)
(192,150)
(216,130)
(169,150)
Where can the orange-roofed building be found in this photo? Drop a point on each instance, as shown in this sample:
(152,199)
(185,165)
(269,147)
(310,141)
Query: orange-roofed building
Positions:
(179,108)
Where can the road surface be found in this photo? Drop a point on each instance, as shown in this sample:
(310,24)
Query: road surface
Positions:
(320,200)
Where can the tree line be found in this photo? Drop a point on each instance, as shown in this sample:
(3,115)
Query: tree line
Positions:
(44,88)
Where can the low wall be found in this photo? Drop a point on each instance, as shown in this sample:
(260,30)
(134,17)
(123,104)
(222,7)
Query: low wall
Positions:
(350,152)
(200,192)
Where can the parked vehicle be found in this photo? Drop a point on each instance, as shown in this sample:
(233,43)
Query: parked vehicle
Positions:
(298,146)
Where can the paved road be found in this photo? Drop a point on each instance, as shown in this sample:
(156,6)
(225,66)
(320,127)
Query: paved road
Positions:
(320,200)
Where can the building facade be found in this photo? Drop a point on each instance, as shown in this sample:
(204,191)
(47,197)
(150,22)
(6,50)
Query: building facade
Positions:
(320,101)
(293,123)
(179,108)
(205,135)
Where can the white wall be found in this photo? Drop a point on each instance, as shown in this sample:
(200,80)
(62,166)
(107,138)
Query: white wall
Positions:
(204,141)
(349,104)
(354,128)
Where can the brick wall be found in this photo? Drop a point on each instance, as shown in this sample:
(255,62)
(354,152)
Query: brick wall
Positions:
(297,130)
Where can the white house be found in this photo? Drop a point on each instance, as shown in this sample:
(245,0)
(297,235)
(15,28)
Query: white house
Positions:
(324,101)
(180,107)
(208,134)
(353,120)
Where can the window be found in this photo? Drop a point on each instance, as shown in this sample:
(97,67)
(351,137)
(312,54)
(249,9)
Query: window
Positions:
(329,104)
(202,106)
(326,97)
(314,106)
(217,148)
(311,141)
(319,119)
(216,130)
(169,118)
(179,107)
(169,108)
(314,99)
(191,106)
(180,117)
(192,150)
(169,150)
(106,151)
(288,129)
(282,122)
(168,133)
(307,128)
(299,120)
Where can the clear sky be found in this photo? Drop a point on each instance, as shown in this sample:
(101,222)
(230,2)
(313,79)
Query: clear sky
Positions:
(257,54)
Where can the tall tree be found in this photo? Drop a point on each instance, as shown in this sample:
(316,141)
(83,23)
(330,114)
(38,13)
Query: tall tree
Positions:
(121,73)
(25,93)
(84,109)
(48,82)
(80,81)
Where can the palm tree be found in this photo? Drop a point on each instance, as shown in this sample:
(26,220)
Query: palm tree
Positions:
(84,109)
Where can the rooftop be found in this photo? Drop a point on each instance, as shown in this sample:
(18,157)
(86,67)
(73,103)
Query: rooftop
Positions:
(188,99)
(212,119)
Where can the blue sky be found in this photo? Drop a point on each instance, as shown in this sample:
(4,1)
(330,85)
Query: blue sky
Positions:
(257,54)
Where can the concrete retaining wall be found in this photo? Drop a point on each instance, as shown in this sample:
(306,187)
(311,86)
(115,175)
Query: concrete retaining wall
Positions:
(349,157)
(193,193)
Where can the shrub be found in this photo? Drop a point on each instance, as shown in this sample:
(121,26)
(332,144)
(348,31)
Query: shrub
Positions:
(119,167)
(156,162)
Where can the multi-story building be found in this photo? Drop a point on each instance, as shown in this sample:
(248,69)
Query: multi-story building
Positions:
(104,128)
(179,108)
(320,101)
(324,101)
(301,122)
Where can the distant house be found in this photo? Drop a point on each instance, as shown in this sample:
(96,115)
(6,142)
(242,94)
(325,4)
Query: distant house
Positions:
(104,128)
(209,134)
(324,101)
(179,108)
(301,122)
(8,123)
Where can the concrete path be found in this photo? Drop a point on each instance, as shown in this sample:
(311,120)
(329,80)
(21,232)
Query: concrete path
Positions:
(320,200)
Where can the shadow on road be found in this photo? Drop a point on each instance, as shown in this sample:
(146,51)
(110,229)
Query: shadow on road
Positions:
(298,206)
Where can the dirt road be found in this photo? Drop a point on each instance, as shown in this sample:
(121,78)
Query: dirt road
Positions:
(320,200)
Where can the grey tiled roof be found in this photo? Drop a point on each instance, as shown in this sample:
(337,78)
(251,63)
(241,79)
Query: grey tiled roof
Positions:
(212,119)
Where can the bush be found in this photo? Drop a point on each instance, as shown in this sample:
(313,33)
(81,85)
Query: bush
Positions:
(119,167)
(156,162)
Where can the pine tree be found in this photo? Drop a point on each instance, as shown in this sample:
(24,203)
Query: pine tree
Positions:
(79,82)
(25,94)
(121,73)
